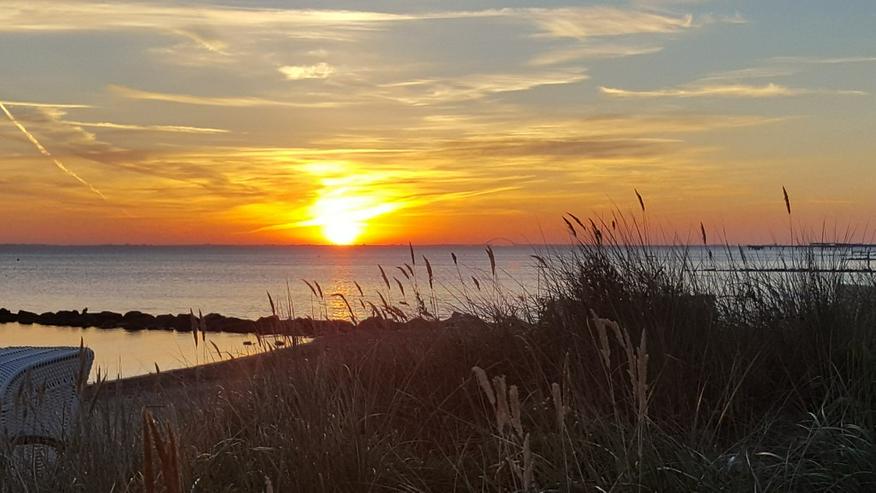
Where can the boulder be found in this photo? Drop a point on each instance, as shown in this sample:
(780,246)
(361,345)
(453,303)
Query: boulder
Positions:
(219,323)
(215,321)
(47,318)
(268,325)
(234,324)
(165,321)
(107,320)
(300,326)
(135,320)
(6,316)
(182,322)
(68,318)
(26,317)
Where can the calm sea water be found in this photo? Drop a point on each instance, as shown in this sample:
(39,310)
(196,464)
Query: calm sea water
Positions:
(122,353)
(234,281)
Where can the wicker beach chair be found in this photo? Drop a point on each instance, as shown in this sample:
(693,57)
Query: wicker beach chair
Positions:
(39,389)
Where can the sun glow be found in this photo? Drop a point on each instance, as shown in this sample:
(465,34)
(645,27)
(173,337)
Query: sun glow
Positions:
(344,219)
(347,202)
(341,231)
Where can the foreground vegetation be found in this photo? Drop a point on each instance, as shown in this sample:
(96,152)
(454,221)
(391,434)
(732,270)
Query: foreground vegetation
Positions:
(630,371)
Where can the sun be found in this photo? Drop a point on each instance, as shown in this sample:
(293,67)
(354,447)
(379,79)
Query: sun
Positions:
(343,216)
(341,231)
(339,218)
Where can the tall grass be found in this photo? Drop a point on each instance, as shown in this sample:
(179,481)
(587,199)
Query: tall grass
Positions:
(633,369)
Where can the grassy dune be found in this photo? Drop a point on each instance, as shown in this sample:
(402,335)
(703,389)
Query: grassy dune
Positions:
(630,372)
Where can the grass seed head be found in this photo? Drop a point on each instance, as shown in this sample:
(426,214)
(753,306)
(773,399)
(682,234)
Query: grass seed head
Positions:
(484,382)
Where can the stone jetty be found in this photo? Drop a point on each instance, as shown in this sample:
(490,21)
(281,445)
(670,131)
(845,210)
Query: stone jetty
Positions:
(214,322)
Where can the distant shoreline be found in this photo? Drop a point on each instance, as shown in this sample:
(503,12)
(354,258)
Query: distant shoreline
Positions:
(278,245)
(754,246)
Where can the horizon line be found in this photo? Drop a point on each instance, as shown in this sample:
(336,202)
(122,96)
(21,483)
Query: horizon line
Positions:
(400,245)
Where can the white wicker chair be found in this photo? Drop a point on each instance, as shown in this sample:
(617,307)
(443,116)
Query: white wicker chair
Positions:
(39,389)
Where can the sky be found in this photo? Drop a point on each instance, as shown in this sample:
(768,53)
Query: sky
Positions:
(384,122)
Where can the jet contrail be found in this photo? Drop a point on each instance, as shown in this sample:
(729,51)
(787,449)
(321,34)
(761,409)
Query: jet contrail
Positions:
(45,152)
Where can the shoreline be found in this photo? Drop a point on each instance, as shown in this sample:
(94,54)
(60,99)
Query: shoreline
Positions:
(217,371)
(201,376)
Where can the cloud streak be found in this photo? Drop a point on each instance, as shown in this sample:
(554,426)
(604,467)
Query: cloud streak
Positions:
(232,102)
(69,15)
(149,128)
(770,90)
(45,152)
(320,70)
(586,22)
(823,60)
(591,52)
(475,86)
(30,104)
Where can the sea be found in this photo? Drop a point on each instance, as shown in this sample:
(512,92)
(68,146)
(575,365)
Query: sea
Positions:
(253,281)
(239,281)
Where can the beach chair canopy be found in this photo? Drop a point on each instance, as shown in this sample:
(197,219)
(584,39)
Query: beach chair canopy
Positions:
(39,389)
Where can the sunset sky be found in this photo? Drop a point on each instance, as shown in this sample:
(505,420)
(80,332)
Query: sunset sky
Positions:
(432,122)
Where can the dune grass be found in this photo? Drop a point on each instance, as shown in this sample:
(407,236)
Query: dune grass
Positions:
(634,369)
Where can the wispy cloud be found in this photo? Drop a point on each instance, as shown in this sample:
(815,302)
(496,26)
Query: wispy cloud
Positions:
(200,23)
(30,104)
(824,60)
(782,67)
(725,91)
(584,126)
(320,70)
(586,22)
(591,52)
(206,41)
(72,15)
(474,86)
(763,72)
(45,152)
(233,102)
(149,128)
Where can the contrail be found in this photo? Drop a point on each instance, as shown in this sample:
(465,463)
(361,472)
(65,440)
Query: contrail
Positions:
(45,152)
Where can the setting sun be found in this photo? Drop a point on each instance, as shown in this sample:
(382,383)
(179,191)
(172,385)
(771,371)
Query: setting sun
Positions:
(341,231)
(343,216)
(339,218)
